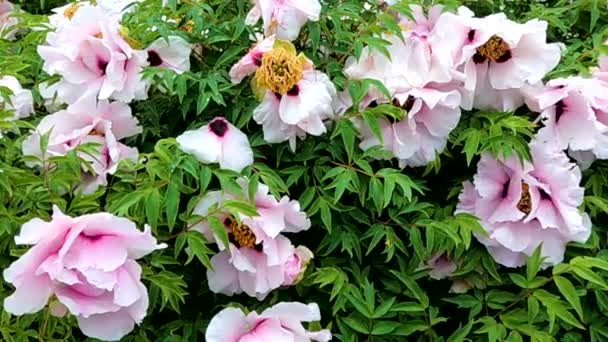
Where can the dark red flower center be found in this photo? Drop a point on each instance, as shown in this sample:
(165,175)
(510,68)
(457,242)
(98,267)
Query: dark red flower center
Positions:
(154,59)
(218,127)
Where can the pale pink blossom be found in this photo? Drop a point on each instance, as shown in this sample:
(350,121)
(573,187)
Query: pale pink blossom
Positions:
(88,264)
(283,18)
(496,55)
(413,61)
(440,266)
(420,81)
(524,206)
(87,121)
(293,104)
(258,257)
(281,322)
(92,57)
(301,111)
(218,142)
(173,53)
(416,139)
(574,113)
(251,61)
(21,101)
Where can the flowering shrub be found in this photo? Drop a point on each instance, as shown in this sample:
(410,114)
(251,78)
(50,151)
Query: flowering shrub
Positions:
(304,170)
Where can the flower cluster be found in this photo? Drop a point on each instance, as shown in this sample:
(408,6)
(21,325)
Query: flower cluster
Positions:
(524,205)
(258,257)
(7,20)
(88,264)
(95,55)
(446,62)
(100,68)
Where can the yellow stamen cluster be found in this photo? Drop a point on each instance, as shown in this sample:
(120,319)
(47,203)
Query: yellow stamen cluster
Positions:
(493,49)
(243,236)
(524,205)
(280,70)
(71,10)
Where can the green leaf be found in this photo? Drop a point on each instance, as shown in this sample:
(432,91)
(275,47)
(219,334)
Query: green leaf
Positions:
(171,286)
(172,205)
(533,263)
(384,327)
(372,122)
(569,292)
(219,230)
(198,248)
(376,193)
(460,334)
(152,205)
(411,284)
(589,275)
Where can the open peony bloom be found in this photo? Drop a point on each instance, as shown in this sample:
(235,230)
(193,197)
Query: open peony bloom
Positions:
(284,18)
(440,266)
(496,55)
(574,112)
(218,142)
(22,103)
(281,322)
(88,264)
(296,100)
(522,207)
(421,82)
(92,57)
(258,258)
(416,139)
(88,121)
(173,54)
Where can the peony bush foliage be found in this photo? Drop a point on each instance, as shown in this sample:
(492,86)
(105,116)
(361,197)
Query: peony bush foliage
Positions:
(311,170)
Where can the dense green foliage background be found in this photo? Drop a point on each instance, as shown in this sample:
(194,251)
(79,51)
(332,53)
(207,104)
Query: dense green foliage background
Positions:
(373,224)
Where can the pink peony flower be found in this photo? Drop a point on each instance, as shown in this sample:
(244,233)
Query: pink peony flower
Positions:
(281,322)
(416,139)
(88,263)
(422,82)
(283,18)
(496,55)
(173,54)
(22,103)
(440,266)
(218,142)
(88,121)
(252,60)
(521,207)
(296,100)
(92,57)
(258,258)
(574,112)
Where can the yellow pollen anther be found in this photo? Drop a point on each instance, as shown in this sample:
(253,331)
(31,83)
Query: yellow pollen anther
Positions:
(71,10)
(280,70)
(243,236)
(493,49)
(98,35)
(524,205)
